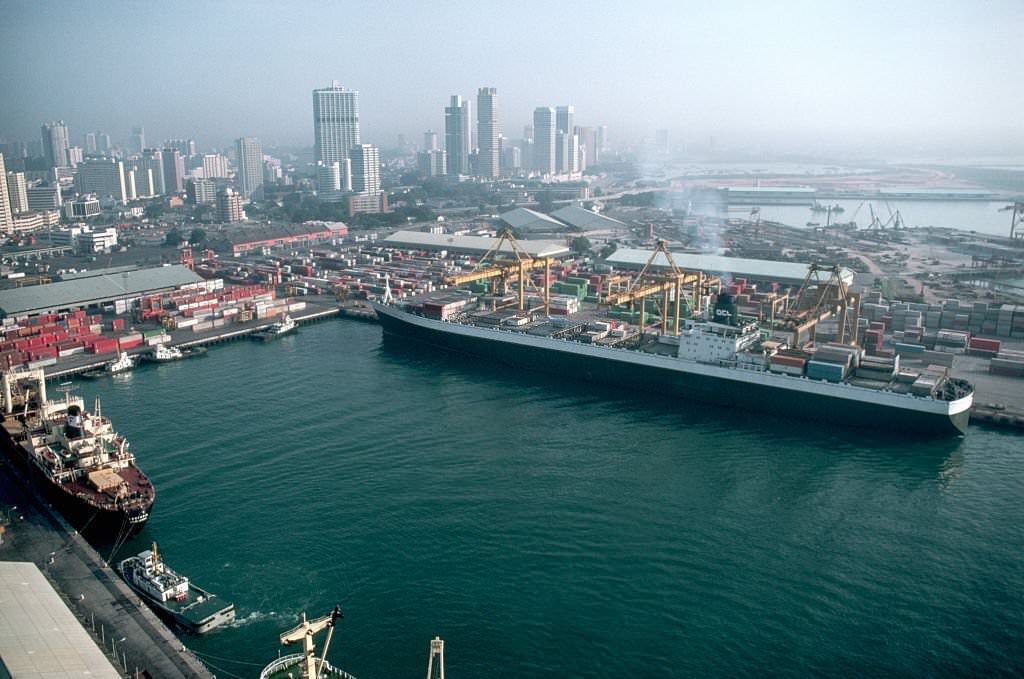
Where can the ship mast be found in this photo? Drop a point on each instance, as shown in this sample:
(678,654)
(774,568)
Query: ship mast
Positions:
(305,632)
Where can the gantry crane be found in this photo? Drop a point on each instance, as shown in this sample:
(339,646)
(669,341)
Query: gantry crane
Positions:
(304,632)
(670,285)
(1016,220)
(516,268)
(816,302)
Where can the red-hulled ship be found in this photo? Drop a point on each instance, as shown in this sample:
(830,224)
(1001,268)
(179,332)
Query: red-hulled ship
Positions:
(81,463)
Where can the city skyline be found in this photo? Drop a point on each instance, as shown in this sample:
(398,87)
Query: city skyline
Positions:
(744,73)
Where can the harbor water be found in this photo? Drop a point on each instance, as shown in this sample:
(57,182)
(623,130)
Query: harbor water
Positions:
(549,529)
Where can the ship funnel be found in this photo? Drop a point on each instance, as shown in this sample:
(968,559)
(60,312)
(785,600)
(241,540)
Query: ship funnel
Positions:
(725,310)
(74,425)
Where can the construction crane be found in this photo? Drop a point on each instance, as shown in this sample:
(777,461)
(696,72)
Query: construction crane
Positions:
(816,302)
(305,632)
(670,285)
(507,269)
(1016,220)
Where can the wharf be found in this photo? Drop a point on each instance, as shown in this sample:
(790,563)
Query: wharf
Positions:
(317,308)
(998,399)
(124,628)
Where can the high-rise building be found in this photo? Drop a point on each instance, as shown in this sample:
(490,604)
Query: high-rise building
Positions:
(103,176)
(17,192)
(152,160)
(186,147)
(202,191)
(215,166)
(139,180)
(328,182)
(489,160)
(456,135)
(430,141)
(565,118)
(229,206)
(565,125)
(90,142)
(44,197)
(174,171)
(75,155)
(55,143)
(511,160)
(544,140)
(6,214)
(335,123)
(250,166)
(602,138)
(589,146)
(138,141)
(433,163)
(365,168)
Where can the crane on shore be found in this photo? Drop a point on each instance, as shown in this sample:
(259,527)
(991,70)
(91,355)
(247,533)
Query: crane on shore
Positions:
(506,269)
(815,302)
(669,285)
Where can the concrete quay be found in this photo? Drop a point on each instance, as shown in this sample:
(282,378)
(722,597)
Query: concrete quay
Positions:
(124,628)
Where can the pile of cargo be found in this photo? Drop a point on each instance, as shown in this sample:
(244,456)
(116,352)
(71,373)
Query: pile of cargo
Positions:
(1008,363)
(878,368)
(446,307)
(979,346)
(564,305)
(833,362)
(979,318)
(788,362)
(41,340)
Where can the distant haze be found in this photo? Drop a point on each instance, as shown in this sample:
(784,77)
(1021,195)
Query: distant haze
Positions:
(897,75)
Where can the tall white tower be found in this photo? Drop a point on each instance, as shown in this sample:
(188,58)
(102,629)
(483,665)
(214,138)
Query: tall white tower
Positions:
(544,140)
(487,133)
(335,123)
(250,165)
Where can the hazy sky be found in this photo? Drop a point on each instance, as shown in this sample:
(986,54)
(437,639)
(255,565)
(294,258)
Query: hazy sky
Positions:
(746,72)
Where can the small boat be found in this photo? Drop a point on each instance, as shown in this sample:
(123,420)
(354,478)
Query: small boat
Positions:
(283,327)
(174,596)
(123,364)
(165,353)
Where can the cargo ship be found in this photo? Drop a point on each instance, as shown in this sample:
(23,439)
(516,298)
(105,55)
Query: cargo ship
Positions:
(81,464)
(174,596)
(718,359)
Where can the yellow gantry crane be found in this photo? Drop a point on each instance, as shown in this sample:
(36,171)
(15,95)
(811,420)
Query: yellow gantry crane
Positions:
(517,268)
(670,285)
(816,302)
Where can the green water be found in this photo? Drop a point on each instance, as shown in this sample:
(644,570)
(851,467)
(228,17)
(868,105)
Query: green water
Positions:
(546,529)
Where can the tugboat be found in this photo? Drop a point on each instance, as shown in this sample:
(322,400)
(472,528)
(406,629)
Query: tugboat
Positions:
(283,327)
(81,463)
(306,664)
(174,596)
(123,364)
(165,353)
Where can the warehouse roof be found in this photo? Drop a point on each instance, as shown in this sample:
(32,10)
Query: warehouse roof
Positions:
(788,273)
(474,245)
(531,220)
(106,287)
(42,636)
(586,220)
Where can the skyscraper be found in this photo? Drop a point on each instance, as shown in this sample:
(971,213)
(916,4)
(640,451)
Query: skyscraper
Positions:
(328,182)
(55,143)
(90,142)
(489,162)
(215,165)
(250,166)
(544,140)
(6,215)
(456,135)
(138,139)
(153,161)
(365,169)
(229,206)
(565,125)
(430,141)
(174,171)
(335,123)
(17,192)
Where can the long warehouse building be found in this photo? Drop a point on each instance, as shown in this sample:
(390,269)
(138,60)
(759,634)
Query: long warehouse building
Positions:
(759,270)
(93,289)
(471,245)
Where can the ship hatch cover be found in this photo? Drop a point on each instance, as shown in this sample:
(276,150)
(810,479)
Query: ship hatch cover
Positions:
(105,479)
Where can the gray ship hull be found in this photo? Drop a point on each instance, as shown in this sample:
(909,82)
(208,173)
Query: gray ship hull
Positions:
(608,366)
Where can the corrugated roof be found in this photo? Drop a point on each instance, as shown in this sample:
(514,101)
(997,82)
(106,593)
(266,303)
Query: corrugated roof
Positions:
(760,269)
(526,219)
(475,245)
(93,290)
(42,637)
(586,219)
(92,273)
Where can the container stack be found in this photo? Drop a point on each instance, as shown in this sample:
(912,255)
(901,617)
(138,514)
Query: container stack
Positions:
(787,365)
(1008,363)
(878,368)
(986,348)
